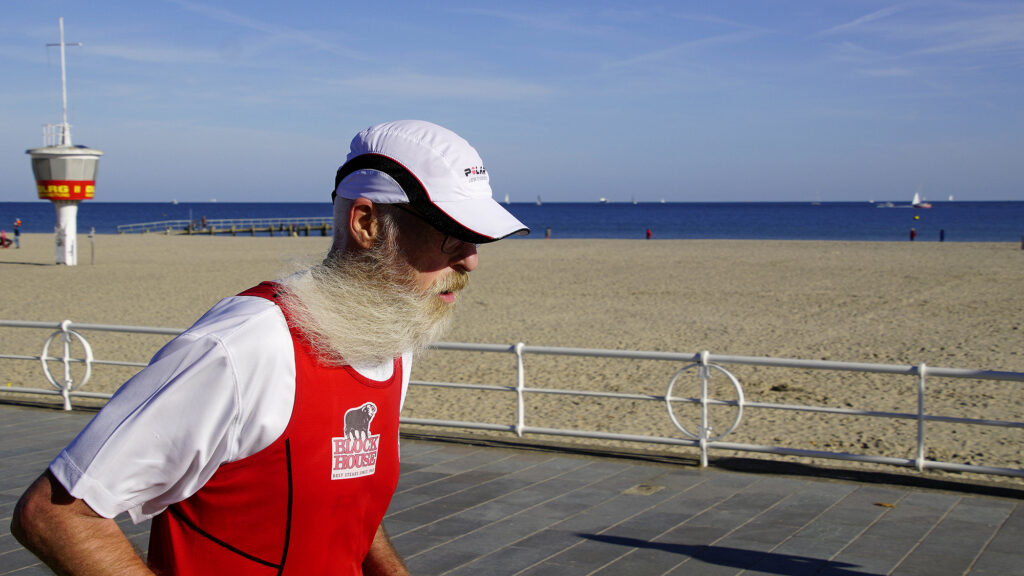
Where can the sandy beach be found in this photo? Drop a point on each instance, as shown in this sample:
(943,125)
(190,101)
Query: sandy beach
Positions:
(955,305)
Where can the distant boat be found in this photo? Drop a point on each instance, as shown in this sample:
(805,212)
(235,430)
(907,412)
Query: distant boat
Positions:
(918,203)
(506,199)
(634,200)
(950,197)
(603,200)
(538,201)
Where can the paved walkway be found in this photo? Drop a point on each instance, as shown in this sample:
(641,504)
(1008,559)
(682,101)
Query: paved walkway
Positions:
(470,510)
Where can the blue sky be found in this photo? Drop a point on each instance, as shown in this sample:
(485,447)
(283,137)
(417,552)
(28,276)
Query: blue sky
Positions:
(574,100)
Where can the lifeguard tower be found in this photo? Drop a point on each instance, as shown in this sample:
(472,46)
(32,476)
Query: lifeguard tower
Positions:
(65,174)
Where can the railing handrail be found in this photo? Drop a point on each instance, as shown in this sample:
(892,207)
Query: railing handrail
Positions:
(776,362)
(705,362)
(96,327)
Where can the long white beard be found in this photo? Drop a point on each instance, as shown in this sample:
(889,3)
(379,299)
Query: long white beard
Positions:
(365,308)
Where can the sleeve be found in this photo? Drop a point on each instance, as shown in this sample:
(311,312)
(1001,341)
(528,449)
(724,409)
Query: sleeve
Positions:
(406,374)
(200,402)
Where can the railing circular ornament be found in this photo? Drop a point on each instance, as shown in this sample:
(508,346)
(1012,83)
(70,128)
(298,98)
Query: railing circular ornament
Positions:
(66,384)
(735,385)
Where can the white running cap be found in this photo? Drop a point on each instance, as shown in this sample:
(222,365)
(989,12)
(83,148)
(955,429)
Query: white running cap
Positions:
(432,169)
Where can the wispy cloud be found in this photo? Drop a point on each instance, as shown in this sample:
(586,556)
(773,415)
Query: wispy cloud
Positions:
(676,49)
(277,32)
(887,72)
(712,19)
(925,29)
(414,85)
(858,22)
(158,54)
(557,21)
(996,33)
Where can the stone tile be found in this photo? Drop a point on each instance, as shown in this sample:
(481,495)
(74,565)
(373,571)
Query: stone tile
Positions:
(463,510)
(952,546)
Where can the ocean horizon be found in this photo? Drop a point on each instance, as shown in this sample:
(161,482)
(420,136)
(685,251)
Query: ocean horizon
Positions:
(955,221)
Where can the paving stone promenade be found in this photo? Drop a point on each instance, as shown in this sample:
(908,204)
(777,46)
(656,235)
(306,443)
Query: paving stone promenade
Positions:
(471,510)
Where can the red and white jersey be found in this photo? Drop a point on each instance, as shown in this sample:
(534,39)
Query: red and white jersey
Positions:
(311,502)
(222,391)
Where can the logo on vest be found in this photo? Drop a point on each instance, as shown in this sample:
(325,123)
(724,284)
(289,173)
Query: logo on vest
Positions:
(355,454)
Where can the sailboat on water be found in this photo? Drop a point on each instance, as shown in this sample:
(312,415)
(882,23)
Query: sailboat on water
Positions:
(918,203)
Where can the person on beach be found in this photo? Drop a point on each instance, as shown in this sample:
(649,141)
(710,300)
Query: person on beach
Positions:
(17,232)
(264,439)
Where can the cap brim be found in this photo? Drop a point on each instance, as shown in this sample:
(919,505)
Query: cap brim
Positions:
(476,220)
(480,220)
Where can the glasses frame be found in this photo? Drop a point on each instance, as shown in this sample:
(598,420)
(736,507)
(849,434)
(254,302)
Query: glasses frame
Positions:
(450,245)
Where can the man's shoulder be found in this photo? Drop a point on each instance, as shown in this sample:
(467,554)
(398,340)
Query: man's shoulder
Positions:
(240,314)
(242,328)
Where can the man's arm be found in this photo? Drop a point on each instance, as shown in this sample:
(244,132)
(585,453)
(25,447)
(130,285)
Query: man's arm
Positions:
(69,536)
(383,559)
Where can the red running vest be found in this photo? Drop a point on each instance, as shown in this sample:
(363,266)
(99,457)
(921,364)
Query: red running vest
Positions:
(308,504)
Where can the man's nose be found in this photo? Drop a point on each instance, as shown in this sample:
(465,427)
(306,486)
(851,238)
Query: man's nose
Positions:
(466,259)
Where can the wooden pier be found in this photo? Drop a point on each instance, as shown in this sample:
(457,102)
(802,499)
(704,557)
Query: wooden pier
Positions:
(234,227)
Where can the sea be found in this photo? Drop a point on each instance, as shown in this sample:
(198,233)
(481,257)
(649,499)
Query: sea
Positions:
(954,221)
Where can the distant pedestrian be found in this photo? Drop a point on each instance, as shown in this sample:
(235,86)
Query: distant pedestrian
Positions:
(547,233)
(3,239)
(913,234)
(17,232)
(942,235)
(648,233)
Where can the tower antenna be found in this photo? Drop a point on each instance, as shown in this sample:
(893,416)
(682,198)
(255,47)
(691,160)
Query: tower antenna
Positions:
(65,128)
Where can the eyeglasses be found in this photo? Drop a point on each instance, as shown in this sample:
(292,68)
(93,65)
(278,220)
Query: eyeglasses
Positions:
(450,245)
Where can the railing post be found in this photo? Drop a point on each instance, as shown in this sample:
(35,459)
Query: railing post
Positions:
(65,389)
(520,385)
(919,462)
(704,428)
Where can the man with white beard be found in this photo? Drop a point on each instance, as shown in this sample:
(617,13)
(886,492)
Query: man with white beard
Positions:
(264,439)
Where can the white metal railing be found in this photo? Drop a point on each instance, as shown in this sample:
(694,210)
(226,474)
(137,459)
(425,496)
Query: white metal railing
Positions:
(65,385)
(702,365)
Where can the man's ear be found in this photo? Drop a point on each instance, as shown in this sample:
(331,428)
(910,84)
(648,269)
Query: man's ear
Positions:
(362,223)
